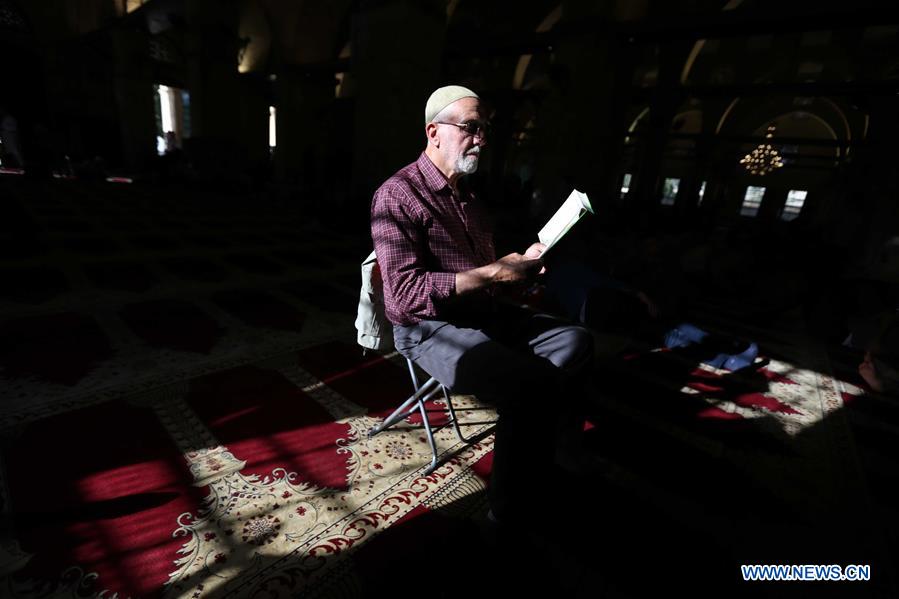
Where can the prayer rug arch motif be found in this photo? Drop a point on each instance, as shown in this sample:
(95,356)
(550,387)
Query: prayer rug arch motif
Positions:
(258,532)
(222,515)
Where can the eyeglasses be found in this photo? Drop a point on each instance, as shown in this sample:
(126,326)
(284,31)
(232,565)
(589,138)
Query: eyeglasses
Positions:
(479,128)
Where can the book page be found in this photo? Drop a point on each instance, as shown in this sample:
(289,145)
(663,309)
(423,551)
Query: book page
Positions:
(571,211)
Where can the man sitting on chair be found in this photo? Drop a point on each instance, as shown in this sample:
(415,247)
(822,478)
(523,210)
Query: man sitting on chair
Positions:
(436,256)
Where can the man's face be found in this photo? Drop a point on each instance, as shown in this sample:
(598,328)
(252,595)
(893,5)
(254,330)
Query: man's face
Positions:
(460,148)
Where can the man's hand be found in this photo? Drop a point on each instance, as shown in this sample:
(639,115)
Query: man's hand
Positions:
(508,270)
(516,268)
(535,251)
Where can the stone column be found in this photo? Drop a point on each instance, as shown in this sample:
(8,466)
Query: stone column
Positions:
(873,184)
(574,121)
(702,168)
(213,83)
(666,98)
(395,69)
(254,121)
(211,45)
(133,89)
(304,101)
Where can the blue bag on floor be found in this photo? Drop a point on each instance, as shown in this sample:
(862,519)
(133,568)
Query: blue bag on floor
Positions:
(686,334)
(683,335)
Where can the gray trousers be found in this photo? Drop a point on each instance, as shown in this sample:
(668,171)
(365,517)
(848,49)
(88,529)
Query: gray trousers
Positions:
(533,368)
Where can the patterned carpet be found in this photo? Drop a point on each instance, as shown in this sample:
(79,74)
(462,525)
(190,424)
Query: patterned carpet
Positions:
(250,480)
(206,432)
(184,415)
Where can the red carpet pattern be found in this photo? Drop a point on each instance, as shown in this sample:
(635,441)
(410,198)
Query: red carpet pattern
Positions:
(259,480)
(173,397)
(772,421)
(254,480)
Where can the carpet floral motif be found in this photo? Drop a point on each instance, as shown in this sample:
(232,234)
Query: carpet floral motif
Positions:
(252,527)
(795,398)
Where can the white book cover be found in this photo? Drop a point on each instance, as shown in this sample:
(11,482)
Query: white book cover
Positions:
(571,211)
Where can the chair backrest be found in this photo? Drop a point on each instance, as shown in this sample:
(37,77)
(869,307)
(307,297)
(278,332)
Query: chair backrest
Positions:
(374,331)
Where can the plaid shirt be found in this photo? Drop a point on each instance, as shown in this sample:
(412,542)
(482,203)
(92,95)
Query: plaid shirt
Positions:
(424,233)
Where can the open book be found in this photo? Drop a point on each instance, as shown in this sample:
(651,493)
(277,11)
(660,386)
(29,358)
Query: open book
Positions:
(571,211)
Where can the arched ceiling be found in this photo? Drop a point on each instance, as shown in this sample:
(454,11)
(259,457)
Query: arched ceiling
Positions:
(307,31)
(298,32)
(807,115)
(830,54)
(53,20)
(256,31)
(292,32)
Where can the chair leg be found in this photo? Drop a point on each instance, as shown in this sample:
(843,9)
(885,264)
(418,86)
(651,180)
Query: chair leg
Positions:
(412,374)
(453,418)
(417,401)
(400,412)
(430,434)
(424,417)
(424,393)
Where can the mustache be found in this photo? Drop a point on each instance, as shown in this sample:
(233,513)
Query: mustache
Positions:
(476,151)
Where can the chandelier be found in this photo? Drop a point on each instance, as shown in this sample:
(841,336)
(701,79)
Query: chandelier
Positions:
(764,158)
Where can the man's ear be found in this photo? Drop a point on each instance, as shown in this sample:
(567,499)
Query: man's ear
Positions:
(431,133)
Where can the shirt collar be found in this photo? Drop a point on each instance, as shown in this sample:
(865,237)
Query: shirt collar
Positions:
(434,179)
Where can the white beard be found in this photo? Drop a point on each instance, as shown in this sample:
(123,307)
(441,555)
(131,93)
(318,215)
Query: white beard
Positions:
(467,164)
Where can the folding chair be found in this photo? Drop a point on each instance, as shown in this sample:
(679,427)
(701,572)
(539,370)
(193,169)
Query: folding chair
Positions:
(423,393)
(376,332)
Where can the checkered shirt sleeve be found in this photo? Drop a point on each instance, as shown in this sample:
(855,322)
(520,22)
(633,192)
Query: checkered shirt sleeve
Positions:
(413,290)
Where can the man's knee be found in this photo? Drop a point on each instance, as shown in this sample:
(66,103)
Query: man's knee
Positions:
(574,348)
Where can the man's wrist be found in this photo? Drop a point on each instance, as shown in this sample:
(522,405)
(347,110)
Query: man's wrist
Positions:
(489,274)
(475,279)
